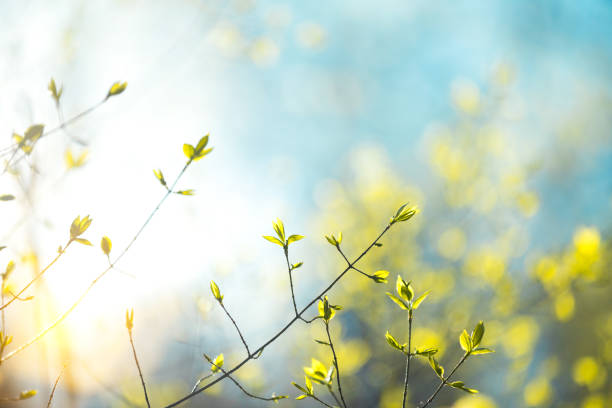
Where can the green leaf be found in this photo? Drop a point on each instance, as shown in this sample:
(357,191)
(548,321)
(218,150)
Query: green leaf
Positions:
(55,93)
(465,341)
(426,352)
(439,370)
(275,398)
(482,350)
(34,132)
(274,240)
(403,213)
(106,245)
(216,292)
(417,302)
(188,150)
(404,289)
(322,342)
(326,312)
(294,238)
(456,384)
(7,197)
(2,247)
(299,387)
(477,334)
(116,89)
(83,241)
(27,394)
(217,363)
(299,397)
(189,192)
(397,300)
(160,176)
(204,152)
(378,244)
(279,227)
(297,265)
(380,276)
(392,342)
(309,386)
(201,144)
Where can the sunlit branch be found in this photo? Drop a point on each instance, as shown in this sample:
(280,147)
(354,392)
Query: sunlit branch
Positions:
(331,345)
(144,387)
(38,276)
(286,327)
(352,267)
(63,316)
(444,381)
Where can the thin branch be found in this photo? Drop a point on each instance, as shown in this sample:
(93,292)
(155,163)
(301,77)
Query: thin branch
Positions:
(144,387)
(95,281)
(286,250)
(55,386)
(331,345)
(285,328)
(333,394)
(444,381)
(237,329)
(15,147)
(232,379)
(408,357)
(195,387)
(351,266)
(38,276)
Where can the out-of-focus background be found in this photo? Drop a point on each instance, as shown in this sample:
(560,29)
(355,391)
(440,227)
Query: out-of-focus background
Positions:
(493,117)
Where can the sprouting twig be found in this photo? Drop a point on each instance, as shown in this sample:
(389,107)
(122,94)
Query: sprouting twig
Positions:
(285,328)
(63,316)
(129,323)
(38,276)
(444,381)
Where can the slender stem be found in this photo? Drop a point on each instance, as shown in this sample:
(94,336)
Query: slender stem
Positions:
(444,381)
(144,387)
(237,329)
(322,402)
(286,251)
(333,394)
(331,345)
(35,278)
(47,133)
(55,386)
(408,357)
(284,329)
(195,387)
(63,316)
(349,263)
(232,379)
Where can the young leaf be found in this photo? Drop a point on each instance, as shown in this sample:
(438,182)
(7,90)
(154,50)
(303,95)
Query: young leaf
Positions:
(216,292)
(380,276)
(294,238)
(274,240)
(392,342)
(477,333)
(217,363)
(116,89)
(27,394)
(160,176)
(7,197)
(482,350)
(436,366)
(322,342)
(417,302)
(83,241)
(397,300)
(188,150)
(106,245)
(279,227)
(297,265)
(309,386)
(129,319)
(326,312)
(189,192)
(465,341)
(54,91)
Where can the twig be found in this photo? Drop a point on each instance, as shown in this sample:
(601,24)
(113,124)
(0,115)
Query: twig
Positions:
(55,386)
(38,276)
(331,345)
(285,328)
(286,250)
(444,381)
(100,276)
(232,379)
(408,357)
(144,387)
(237,329)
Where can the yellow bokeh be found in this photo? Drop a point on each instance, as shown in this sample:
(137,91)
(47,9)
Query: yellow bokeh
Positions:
(538,392)
(452,243)
(564,306)
(474,401)
(587,371)
(594,401)
(520,337)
